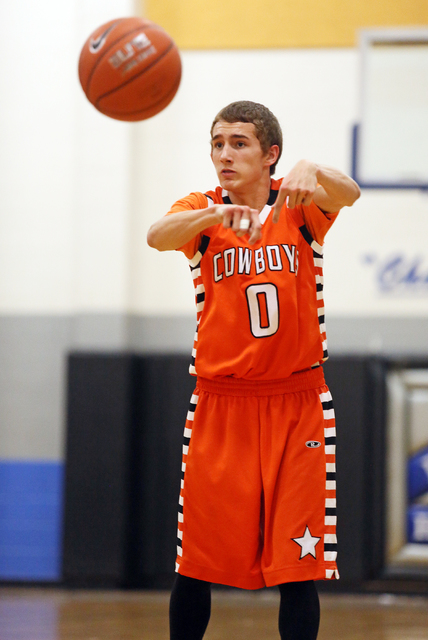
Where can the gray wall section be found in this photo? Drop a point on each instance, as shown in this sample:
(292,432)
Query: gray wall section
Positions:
(33,356)
(165,334)
(377,335)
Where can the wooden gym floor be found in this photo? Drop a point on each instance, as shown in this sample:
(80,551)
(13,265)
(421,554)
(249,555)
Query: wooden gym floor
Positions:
(45,614)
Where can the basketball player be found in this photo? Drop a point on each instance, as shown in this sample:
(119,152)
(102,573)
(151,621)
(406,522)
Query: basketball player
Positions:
(257,501)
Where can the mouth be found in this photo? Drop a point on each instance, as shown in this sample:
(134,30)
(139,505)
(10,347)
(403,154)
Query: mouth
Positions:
(227,172)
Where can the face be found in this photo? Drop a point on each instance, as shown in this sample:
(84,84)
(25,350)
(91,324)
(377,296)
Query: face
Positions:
(238,158)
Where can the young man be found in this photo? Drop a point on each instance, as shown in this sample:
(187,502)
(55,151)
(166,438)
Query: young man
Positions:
(257,501)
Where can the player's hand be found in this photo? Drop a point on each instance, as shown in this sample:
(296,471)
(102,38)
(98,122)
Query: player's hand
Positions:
(298,187)
(241,219)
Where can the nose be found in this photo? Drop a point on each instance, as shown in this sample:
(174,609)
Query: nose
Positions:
(225,153)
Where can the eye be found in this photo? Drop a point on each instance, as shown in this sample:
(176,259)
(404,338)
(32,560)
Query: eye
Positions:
(240,144)
(218,145)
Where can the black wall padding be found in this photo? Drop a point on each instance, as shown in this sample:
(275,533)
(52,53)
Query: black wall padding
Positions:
(357,385)
(164,390)
(125,422)
(97,483)
(126,416)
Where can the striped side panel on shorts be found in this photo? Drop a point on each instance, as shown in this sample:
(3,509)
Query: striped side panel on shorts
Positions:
(186,443)
(330,539)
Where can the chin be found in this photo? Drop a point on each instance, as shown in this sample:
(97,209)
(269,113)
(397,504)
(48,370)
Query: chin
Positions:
(226,182)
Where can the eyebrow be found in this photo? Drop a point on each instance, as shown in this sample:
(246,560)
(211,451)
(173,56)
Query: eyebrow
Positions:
(234,135)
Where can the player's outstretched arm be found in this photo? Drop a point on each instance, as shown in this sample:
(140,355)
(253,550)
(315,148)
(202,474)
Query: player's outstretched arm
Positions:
(335,189)
(175,230)
(329,188)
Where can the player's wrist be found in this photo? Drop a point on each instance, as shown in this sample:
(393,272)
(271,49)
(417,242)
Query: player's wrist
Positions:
(209,217)
(215,213)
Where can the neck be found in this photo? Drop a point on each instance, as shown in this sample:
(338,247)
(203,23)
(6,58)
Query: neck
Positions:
(256,198)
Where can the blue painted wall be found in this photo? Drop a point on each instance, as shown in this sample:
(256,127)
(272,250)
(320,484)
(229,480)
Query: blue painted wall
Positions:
(31,520)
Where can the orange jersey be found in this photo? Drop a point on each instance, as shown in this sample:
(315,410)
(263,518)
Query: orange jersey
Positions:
(260,308)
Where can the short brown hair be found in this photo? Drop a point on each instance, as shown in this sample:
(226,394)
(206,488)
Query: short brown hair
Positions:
(268,129)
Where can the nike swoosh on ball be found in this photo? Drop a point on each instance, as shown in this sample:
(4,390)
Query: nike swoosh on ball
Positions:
(95,45)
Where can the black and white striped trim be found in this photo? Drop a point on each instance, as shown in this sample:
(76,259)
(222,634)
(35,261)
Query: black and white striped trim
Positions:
(195,268)
(195,261)
(186,444)
(318,257)
(330,538)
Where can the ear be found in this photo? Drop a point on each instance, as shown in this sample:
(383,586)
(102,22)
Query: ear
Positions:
(272,155)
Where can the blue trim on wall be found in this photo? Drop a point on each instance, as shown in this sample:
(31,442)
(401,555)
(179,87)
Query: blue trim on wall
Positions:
(376,185)
(31,496)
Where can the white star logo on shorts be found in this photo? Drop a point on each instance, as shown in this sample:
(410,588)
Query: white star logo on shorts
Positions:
(307,543)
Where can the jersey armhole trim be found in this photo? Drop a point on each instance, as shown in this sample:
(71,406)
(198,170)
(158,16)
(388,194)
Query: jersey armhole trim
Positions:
(195,261)
(316,248)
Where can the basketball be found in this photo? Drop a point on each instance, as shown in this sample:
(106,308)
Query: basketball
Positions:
(130,69)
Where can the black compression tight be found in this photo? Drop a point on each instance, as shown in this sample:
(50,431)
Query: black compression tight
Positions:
(299,611)
(190,610)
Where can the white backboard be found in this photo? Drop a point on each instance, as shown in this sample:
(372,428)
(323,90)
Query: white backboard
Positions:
(392,142)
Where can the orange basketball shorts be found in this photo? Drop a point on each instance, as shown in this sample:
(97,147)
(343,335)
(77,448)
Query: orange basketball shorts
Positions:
(258,490)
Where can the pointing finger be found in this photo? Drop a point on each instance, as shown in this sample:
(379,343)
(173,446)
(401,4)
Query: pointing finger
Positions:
(292,200)
(278,205)
(255,228)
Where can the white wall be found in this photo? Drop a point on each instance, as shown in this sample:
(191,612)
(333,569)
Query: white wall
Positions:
(377,257)
(78,191)
(314,95)
(64,215)
(64,169)
(376,254)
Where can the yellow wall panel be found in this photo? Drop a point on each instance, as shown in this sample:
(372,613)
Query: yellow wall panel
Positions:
(240,24)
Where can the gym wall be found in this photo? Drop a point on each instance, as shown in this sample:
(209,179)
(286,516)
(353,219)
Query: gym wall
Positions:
(78,193)
(282,24)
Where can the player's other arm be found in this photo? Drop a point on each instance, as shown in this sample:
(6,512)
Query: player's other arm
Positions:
(329,188)
(335,189)
(175,230)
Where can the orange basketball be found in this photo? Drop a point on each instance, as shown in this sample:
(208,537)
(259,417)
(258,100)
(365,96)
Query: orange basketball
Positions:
(130,69)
